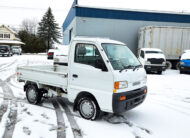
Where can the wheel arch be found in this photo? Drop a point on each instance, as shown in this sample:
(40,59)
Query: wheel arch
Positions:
(84,94)
(29,83)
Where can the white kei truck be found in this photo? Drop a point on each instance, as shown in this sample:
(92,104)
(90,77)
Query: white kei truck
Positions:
(101,75)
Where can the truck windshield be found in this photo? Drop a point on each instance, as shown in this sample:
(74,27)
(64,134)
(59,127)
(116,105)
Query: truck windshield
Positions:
(153,52)
(120,56)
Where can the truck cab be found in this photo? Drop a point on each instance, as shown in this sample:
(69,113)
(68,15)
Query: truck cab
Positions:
(185,63)
(153,60)
(102,75)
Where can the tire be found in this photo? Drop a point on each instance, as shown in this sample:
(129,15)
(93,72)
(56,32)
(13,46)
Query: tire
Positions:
(181,72)
(178,65)
(88,103)
(159,72)
(168,65)
(33,94)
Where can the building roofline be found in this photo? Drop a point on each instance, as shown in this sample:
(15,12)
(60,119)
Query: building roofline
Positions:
(134,10)
(124,14)
(8,28)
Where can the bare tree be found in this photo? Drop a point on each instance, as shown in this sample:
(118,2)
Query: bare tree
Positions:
(30,25)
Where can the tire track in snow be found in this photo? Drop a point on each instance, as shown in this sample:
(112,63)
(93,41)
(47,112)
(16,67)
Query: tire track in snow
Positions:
(12,117)
(75,128)
(120,119)
(61,129)
(8,65)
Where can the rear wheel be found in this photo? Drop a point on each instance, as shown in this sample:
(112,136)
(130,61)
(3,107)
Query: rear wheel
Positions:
(33,94)
(88,108)
(178,65)
(168,65)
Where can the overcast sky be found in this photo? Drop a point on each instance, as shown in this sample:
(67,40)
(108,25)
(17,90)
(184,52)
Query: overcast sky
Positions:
(12,12)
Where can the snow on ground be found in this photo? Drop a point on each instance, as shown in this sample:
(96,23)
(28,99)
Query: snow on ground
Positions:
(1,95)
(165,112)
(35,122)
(8,64)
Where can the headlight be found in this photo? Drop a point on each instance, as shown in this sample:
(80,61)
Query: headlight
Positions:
(147,62)
(164,63)
(120,84)
(182,63)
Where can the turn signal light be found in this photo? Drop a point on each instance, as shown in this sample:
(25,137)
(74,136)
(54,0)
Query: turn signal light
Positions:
(122,98)
(116,86)
(145,90)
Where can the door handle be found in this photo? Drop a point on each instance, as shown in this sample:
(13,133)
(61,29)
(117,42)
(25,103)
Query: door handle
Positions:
(75,76)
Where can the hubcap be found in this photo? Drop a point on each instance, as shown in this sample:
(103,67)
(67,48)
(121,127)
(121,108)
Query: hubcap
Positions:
(31,95)
(87,109)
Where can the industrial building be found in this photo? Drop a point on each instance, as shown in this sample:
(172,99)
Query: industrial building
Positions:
(117,24)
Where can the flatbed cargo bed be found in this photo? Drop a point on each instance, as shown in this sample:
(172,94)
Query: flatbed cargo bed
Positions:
(53,75)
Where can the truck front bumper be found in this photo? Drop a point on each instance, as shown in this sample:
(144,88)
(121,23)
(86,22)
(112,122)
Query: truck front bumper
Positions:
(133,99)
(154,68)
(185,68)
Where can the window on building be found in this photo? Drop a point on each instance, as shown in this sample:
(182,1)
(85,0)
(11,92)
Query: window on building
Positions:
(6,35)
(70,34)
(88,54)
(1,35)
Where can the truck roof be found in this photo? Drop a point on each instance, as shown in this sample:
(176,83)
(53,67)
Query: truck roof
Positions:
(97,40)
(151,49)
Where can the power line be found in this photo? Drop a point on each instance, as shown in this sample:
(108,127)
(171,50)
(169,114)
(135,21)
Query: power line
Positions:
(28,8)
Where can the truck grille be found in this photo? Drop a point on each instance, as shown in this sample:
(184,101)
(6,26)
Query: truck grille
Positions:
(156,60)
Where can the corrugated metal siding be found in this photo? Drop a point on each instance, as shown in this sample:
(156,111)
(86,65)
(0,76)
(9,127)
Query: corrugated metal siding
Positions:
(122,30)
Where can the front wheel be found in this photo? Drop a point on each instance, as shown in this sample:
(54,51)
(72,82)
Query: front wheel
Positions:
(181,72)
(159,72)
(33,94)
(88,108)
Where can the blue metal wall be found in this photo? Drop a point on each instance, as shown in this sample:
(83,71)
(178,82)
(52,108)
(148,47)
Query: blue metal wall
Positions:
(117,24)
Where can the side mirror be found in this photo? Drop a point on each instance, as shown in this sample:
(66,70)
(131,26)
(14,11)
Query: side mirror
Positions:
(100,65)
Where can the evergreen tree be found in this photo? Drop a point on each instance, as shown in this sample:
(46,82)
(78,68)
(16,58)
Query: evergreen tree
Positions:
(48,29)
(33,44)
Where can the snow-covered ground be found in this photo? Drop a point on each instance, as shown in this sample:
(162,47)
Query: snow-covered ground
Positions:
(164,114)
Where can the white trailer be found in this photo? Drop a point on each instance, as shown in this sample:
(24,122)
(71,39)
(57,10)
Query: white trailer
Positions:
(101,75)
(173,41)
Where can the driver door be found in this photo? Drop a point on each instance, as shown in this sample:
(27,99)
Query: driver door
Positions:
(87,74)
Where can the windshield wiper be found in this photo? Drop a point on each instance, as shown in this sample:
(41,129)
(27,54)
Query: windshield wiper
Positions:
(126,67)
(135,67)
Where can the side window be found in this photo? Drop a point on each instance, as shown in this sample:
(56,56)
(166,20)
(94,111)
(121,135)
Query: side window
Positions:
(142,54)
(88,54)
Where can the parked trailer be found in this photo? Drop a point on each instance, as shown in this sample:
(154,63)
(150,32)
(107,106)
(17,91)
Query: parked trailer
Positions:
(170,39)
